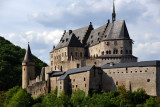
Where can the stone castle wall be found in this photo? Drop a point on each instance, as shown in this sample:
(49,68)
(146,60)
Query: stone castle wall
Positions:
(132,78)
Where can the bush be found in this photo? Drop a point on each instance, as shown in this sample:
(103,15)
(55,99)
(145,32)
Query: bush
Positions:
(77,97)
(11,92)
(21,98)
(152,102)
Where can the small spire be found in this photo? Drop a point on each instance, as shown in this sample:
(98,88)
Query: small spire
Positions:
(53,46)
(114,13)
(90,23)
(28,55)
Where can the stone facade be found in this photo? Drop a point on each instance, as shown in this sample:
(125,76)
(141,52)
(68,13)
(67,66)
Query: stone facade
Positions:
(88,59)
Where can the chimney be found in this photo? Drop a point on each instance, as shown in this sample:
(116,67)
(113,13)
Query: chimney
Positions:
(70,31)
(108,21)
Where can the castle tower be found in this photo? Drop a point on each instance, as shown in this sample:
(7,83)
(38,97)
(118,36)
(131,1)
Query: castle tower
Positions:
(28,68)
(114,13)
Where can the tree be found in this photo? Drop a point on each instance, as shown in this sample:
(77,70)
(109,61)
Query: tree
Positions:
(21,99)
(77,97)
(11,92)
(139,96)
(152,102)
(49,100)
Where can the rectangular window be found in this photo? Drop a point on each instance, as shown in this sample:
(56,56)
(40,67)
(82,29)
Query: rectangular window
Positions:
(77,65)
(81,54)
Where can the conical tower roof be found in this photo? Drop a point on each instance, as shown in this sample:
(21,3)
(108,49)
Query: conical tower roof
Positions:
(28,55)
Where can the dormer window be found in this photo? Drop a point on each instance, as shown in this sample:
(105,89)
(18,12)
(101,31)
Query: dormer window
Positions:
(92,41)
(92,36)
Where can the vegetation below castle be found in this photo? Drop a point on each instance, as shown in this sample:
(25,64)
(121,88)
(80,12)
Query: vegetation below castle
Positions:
(118,98)
(11,58)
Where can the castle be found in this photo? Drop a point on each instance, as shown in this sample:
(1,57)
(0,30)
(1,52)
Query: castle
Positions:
(88,59)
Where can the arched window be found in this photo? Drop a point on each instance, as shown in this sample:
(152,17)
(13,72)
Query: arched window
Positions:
(109,52)
(116,51)
(102,52)
(106,52)
(121,51)
(126,51)
(116,82)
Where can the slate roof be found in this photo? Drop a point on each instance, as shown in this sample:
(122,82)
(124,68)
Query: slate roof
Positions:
(96,35)
(118,30)
(74,39)
(28,55)
(132,64)
(56,73)
(116,56)
(75,70)
(109,31)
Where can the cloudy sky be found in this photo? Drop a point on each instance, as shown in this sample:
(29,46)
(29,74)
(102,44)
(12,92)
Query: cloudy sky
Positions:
(42,22)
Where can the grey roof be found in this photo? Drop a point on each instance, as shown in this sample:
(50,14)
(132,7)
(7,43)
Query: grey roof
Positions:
(132,64)
(76,70)
(116,56)
(109,31)
(96,35)
(118,30)
(74,39)
(28,55)
(55,73)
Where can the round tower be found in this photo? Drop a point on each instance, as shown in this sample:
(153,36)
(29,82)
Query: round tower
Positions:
(28,68)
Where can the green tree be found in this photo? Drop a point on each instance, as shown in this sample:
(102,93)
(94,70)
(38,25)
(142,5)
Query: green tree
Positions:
(77,97)
(2,98)
(152,102)
(11,92)
(21,99)
(49,100)
(139,96)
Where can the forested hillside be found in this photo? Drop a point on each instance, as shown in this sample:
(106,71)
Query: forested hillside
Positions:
(11,58)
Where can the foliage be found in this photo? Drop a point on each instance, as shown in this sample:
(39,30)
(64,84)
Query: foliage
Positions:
(17,96)
(11,92)
(49,100)
(21,98)
(2,98)
(152,102)
(139,96)
(11,58)
(77,97)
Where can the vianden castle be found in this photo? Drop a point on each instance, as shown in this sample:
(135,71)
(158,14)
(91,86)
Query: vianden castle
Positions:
(92,59)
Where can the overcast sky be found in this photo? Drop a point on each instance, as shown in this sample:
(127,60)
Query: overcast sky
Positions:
(42,22)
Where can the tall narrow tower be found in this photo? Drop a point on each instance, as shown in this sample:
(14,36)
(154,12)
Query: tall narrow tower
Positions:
(114,13)
(28,68)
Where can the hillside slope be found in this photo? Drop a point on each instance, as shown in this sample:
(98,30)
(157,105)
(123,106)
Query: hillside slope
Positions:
(11,58)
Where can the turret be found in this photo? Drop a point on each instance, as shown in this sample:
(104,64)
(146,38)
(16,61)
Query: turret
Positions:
(114,13)
(28,68)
